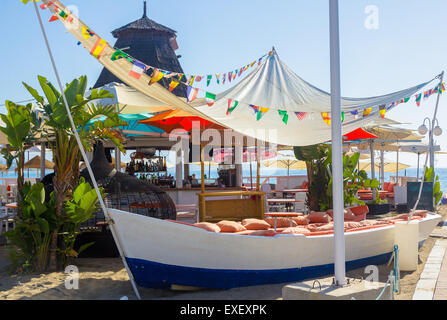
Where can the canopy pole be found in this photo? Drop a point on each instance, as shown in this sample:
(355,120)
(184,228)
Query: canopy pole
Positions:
(382,167)
(397,168)
(337,148)
(202,170)
(373,167)
(42,160)
(258,172)
(84,156)
(432,153)
(419,158)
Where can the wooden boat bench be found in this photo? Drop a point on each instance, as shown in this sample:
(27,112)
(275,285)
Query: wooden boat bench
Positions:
(241,205)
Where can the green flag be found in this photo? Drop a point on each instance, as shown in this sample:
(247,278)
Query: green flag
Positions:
(283,114)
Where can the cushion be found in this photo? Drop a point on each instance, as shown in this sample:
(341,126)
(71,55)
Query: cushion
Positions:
(211,227)
(317,227)
(360,210)
(258,233)
(421,213)
(304,185)
(391,187)
(296,230)
(330,212)
(255,224)
(386,186)
(369,223)
(230,227)
(280,222)
(352,225)
(349,216)
(319,217)
(301,221)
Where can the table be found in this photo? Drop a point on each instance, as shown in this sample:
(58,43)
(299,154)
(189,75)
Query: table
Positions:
(277,215)
(286,202)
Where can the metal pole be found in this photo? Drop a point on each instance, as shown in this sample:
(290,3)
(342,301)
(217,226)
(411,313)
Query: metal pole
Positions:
(373,167)
(397,168)
(382,168)
(337,148)
(432,153)
(84,156)
(419,155)
(42,160)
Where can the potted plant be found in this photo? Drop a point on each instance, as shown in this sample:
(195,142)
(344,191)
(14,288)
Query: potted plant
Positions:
(378,206)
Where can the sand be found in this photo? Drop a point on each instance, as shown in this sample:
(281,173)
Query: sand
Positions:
(106,279)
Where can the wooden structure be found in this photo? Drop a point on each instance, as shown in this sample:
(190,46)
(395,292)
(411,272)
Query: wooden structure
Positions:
(236,206)
(151,43)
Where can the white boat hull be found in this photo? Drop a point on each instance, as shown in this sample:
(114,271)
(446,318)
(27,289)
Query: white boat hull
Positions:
(161,254)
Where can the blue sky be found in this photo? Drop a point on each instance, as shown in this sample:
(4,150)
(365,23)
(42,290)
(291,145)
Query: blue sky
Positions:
(408,48)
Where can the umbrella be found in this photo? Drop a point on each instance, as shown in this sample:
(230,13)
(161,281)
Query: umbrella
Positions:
(3,167)
(171,120)
(387,166)
(418,148)
(285,162)
(358,134)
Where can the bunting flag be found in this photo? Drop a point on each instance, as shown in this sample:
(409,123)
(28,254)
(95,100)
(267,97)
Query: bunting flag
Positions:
(261,113)
(180,76)
(191,80)
(173,85)
(210,98)
(418,99)
(301,115)
(223,78)
(252,64)
(232,104)
(118,54)
(230,75)
(366,112)
(86,33)
(255,108)
(53,18)
(208,80)
(156,76)
(284,115)
(240,71)
(342,117)
(198,78)
(98,48)
(191,93)
(355,113)
(426,95)
(218,78)
(382,111)
(326,117)
(63,14)
(137,70)
(234,74)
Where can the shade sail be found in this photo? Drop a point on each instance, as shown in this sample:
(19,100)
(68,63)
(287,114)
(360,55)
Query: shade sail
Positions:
(248,155)
(272,89)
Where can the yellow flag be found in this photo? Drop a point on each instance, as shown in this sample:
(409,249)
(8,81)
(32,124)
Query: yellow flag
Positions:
(85,33)
(98,48)
(157,76)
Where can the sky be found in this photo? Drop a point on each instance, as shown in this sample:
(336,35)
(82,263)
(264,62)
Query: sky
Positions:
(408,46)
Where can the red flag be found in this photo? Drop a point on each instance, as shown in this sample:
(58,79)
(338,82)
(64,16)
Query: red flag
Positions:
(53,18)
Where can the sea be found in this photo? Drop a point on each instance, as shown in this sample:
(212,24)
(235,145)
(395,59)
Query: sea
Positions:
(211,173)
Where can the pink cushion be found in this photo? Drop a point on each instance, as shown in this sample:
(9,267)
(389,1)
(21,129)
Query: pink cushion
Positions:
(231,227)
(255,224)
(211,227)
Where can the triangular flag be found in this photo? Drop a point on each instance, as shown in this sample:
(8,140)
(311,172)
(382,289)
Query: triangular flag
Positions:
(252,64)
(234,74)
(173,85)
(156,76)
(261,113)
(342,117)
(208,80)
(198,78)
(240,71)
(406,100)
(53,18)
(223,78)
(426,94)
(118,54)
(355,113)
(284,115)
(230,75)
(301,115)
(191,80)
(367,112)
(218,78)
(86,33)
(255,108)
(191,93)
(418,99)
(63,14)
(180,77)
(232,104)
(382,111)
(210,98)
(326,117)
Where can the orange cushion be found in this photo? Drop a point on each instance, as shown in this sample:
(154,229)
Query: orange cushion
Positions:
(352,225)
(391,187)
(319,217)
(319,228)
(230,227)
(280,222)
(386,185)
(360,210)
(330,212)
(295,230)
(301,221)
(255,224)
(211,227)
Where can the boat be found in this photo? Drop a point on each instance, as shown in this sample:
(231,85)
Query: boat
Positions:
(164,254)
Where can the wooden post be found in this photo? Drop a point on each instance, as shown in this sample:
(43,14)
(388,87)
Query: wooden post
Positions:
(202,167)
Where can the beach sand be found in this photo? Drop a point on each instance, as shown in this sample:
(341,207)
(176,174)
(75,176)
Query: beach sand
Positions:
(104,279)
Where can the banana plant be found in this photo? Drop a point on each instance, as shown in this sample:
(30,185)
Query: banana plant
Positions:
(58,131)
(430,176)
(21,127)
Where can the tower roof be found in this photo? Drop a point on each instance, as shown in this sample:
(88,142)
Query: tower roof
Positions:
(143,24)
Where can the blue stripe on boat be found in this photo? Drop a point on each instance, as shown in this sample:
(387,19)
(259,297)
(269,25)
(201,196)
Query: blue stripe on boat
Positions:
(157,275)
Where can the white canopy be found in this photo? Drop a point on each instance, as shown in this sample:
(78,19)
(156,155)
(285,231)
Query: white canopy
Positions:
(276,87)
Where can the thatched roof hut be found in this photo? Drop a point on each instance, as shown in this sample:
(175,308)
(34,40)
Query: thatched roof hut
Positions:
(149,42)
